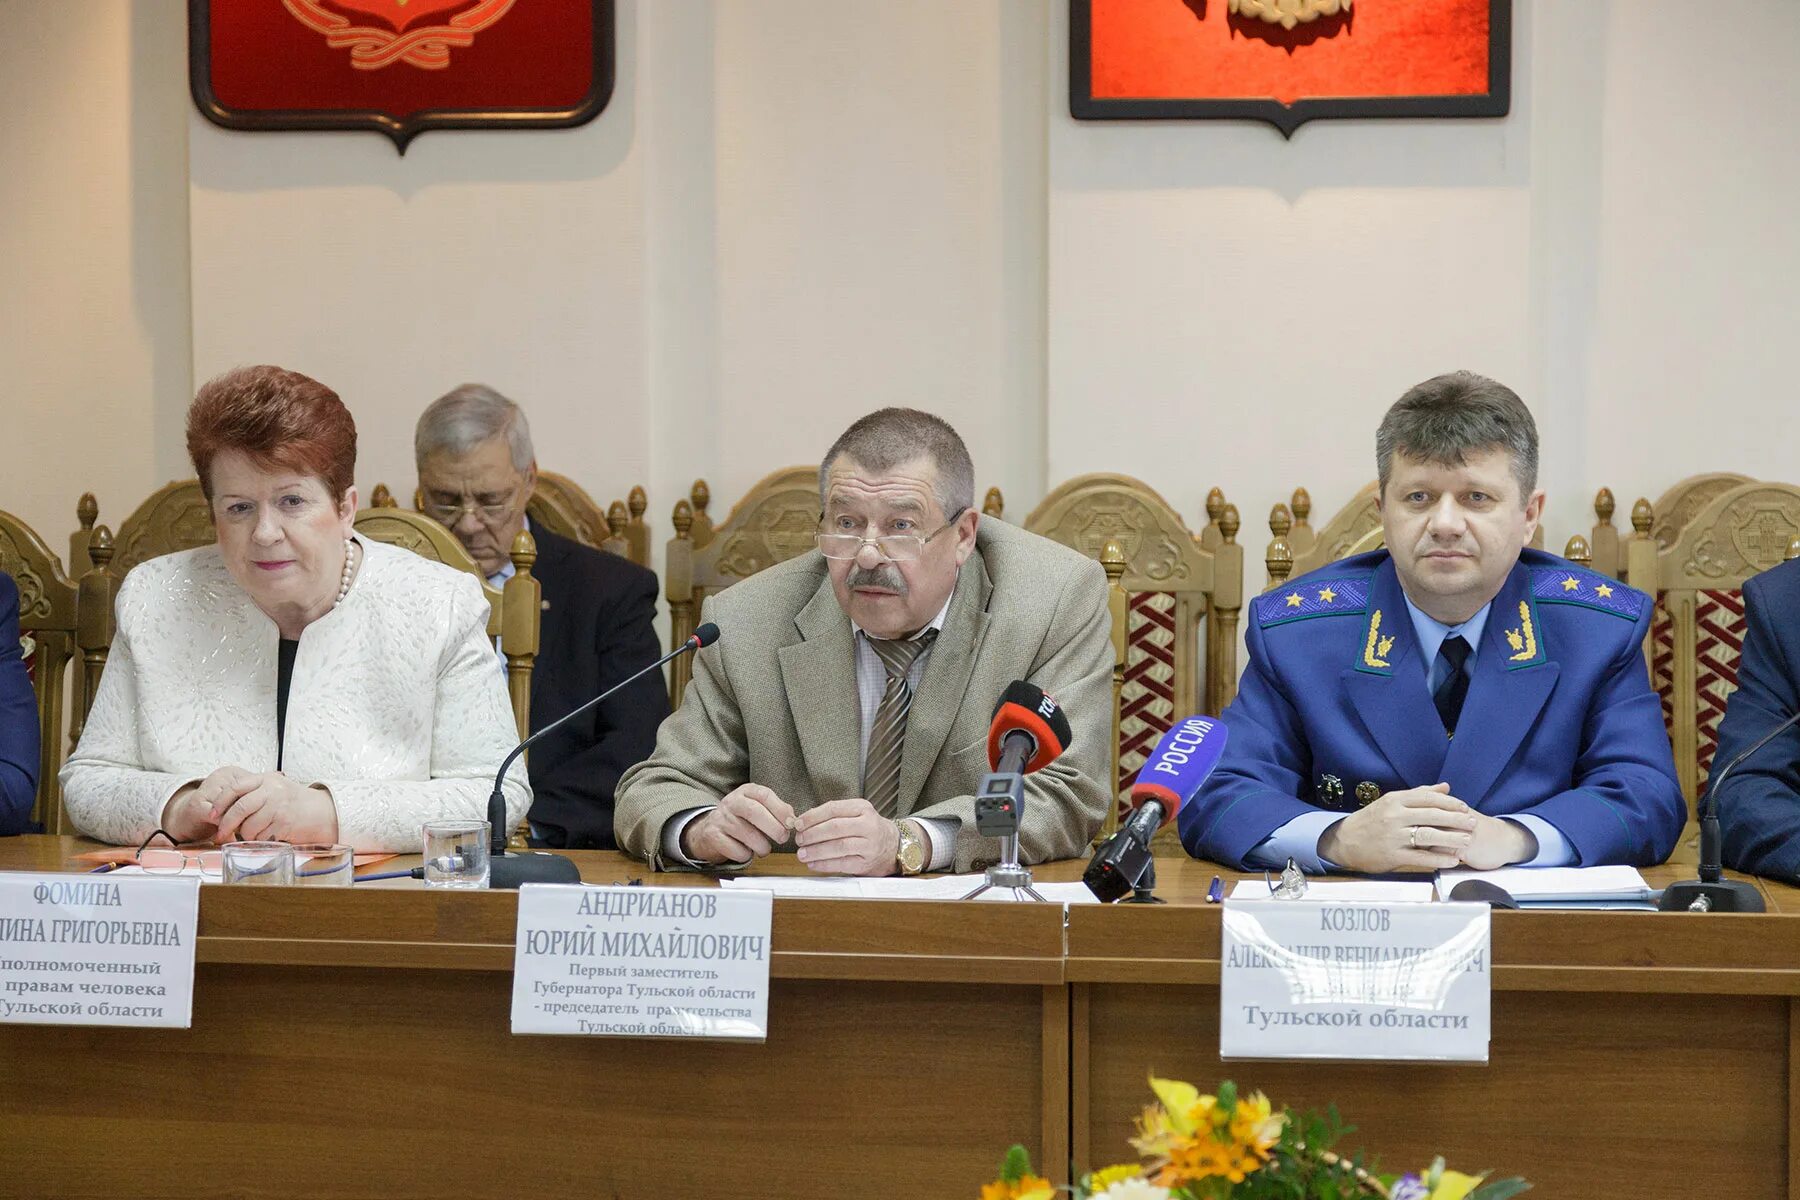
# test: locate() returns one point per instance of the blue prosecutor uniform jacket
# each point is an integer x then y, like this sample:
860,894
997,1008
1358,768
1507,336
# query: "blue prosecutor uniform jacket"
1759,813
18,719
1559,723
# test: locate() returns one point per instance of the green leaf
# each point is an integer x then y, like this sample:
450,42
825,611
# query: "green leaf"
1500,1189
1016,1165
1228,1096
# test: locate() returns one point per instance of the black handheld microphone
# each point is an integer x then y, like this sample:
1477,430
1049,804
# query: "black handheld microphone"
510,870
1168,779
1712,892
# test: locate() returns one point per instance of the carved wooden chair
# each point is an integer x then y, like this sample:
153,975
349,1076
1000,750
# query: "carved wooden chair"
175,517
1355,529
1697,633
1171,585
514,612
775,521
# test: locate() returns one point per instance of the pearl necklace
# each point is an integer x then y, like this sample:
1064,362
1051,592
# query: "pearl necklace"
349,570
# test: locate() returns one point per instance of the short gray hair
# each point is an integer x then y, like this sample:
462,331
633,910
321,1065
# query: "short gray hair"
892,437
1450,416
460,420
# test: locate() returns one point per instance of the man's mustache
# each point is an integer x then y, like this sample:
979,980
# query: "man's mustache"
886,577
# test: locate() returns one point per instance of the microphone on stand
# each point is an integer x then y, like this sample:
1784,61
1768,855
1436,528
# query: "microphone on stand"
1712,892
1028,732
510,870
1168,779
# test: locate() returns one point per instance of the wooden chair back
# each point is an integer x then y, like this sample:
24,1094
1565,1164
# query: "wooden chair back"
1697,635
1171,586
175,517
775,521
560,505
514,612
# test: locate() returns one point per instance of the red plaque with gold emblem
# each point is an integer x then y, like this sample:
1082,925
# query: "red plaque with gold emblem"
1288,61
400,67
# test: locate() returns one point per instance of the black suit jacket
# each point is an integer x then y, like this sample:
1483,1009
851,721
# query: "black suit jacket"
595,631
1759,809
18,719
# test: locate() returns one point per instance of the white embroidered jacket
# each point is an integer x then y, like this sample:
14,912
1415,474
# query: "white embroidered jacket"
397,702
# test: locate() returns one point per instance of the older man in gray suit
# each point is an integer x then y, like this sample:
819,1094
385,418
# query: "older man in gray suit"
844,714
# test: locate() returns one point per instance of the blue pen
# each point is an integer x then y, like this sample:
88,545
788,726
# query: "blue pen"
1216,891
103,868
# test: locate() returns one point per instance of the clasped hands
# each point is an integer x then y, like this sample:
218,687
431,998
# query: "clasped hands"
841,837
233,805
1424,829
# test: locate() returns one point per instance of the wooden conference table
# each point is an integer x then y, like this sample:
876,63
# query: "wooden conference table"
354,1043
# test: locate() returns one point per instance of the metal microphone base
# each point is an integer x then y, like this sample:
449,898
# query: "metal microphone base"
1732,895
1008,874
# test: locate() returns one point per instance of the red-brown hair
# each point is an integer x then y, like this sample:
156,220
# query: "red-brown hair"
278,419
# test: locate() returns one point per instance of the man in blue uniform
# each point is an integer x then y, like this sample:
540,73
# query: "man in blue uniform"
1455,699
1759,815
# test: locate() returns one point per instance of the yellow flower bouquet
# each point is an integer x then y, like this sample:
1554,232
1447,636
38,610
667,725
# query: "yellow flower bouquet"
1229,1146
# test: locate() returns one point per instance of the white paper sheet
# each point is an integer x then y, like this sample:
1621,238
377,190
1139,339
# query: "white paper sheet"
1364,891
1551,887
936,887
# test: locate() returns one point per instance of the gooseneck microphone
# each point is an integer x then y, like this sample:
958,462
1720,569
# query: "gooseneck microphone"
1712,892
510,870
1169,778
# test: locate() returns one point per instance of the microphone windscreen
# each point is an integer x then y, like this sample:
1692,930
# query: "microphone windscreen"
1180,763
706,635
1026,706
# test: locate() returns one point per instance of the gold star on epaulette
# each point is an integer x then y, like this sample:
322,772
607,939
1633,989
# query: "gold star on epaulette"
1293,599
1571,584
1326,595
1603,590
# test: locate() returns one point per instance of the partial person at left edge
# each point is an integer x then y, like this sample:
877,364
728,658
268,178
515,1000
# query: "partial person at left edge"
477,470
294,682
18,719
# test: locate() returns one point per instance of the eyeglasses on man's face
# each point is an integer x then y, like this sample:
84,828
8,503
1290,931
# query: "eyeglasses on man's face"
488,508
895,547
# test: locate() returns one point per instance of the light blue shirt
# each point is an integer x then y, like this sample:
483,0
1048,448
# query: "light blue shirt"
1299,838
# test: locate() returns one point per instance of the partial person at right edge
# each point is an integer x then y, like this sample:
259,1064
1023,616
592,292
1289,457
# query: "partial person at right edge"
18,719
477,470
1759,813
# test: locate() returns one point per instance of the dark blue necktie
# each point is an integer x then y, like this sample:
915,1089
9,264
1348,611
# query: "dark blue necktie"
1454,653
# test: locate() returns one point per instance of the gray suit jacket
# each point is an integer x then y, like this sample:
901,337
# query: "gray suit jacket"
775,703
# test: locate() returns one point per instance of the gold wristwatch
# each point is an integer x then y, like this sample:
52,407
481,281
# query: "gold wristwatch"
911,855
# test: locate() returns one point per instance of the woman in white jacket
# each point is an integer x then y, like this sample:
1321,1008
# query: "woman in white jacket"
293,682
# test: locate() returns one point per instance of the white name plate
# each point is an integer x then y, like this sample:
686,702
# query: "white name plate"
642,962
94,950
1326,979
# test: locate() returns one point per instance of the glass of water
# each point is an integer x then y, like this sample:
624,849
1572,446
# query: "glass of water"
324,865
456,854
257,864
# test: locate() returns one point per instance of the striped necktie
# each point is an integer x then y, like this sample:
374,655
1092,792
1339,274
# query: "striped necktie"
881,766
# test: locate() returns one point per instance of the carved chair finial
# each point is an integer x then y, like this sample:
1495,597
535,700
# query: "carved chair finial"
87,511
1302,504
1577,550
1281,521
1642,516
1603,505
1228,523
683,518
636,502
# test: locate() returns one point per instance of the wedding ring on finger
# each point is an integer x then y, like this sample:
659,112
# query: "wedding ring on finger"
1412,837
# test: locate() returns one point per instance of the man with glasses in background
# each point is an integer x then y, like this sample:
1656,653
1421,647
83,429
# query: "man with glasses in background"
844,714
477,471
